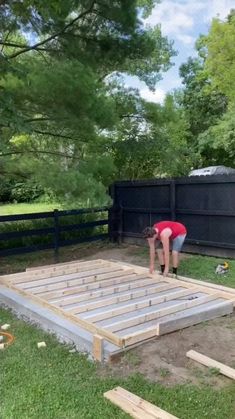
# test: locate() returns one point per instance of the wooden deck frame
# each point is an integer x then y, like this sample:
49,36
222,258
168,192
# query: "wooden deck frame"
94,278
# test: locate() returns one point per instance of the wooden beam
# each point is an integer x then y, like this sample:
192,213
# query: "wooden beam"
111,337
198,288
116,299
55,266
64,300
79,279
88,285
149,302
216,287
88,273
208,287
98,343
137,407
143,318
209,362
24,277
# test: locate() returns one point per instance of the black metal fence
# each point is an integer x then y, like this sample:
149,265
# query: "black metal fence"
206,205
78,226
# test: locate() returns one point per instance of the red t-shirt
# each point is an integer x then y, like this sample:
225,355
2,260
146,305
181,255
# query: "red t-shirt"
177,228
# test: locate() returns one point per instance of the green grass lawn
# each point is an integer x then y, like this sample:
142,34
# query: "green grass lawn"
53,383
198,267
10,209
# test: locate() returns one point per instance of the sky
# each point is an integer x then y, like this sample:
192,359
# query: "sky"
181,21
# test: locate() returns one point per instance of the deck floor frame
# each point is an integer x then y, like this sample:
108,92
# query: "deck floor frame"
108,297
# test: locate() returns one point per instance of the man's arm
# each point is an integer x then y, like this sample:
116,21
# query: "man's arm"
165,239
151,243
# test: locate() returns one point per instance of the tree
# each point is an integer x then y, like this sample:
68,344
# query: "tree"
220,61
54,63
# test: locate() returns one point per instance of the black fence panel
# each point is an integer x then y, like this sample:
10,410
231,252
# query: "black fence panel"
206,205
66,228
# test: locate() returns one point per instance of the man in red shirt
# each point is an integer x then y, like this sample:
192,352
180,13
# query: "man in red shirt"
165,233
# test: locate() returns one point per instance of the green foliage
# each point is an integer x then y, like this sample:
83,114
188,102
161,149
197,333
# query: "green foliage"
57,109
220,61
25,192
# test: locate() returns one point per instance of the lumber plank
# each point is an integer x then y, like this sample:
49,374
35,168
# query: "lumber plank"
149,302
64,300
80,279
136,406
97,349
89,286
207,284
198,288
118,325
90,327
70,277
104,302
29,277
45,273
55,266
209,362
207,287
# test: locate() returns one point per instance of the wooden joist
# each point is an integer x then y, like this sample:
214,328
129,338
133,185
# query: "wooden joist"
202,286
66,300
128,308
18,278
135,406
209,362
117,325
117,284
82,279
116,299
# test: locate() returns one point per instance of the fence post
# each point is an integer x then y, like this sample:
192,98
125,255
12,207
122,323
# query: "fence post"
56,235
172,199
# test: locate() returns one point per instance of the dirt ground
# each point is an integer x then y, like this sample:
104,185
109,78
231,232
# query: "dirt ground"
163,359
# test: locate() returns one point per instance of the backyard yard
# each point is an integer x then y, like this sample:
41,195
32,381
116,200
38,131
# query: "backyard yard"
57,382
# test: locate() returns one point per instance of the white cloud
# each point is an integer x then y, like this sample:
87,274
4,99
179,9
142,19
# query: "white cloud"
219,8
177,19
157,96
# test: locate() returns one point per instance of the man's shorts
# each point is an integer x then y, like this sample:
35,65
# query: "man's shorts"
175,244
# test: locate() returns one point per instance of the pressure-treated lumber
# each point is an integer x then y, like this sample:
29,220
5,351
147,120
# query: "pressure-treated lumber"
77,297
137,407
149,302
55,266
111,286
202,286
81,279
119,299
31,276
142,318
91,273
98,348
98,285
209,362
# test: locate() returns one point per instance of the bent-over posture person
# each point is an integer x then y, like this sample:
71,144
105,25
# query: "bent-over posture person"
163,234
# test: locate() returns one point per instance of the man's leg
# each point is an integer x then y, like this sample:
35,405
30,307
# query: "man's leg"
175,261
176,248
160,255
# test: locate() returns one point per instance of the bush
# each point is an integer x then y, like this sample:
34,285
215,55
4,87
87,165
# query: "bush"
26,192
